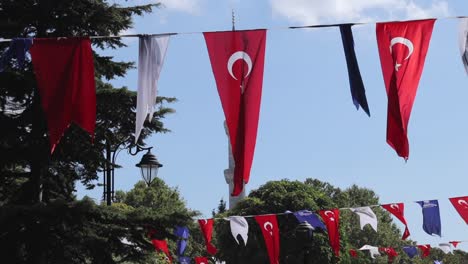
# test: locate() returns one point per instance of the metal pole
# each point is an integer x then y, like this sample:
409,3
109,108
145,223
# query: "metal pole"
109,181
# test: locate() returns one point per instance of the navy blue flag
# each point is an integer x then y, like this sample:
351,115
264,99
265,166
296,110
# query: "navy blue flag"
311,218
18,48
410,251
431,217
358,93
184,260
183,233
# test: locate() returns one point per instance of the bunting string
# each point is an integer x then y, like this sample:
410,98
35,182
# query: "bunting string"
269,29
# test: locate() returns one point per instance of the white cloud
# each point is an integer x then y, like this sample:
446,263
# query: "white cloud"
188,6
332,11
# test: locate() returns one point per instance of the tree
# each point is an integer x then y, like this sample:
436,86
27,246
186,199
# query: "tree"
39,217
162,200
279,196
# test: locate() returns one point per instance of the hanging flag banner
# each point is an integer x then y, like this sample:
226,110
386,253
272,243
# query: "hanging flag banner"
398,210
311,218
402,49
373,251
425,250
431,217
17,50
270,230
366,216
445,247
358,93
454,243
237,59
390,252
182,232
206,226
161,246
332,221
411,251
201,260
66,84
239,227
463,40
461,205
353,253
152,51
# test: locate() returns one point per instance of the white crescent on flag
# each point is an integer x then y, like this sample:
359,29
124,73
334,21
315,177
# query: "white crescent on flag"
405,42
239,55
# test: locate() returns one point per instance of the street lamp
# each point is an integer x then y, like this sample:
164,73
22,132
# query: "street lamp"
304,235
149,167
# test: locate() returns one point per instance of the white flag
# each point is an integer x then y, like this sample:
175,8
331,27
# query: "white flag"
463,39
152,50
445,247
374,251
239,226
366,216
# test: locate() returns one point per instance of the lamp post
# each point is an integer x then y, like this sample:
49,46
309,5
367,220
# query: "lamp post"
149,166
304,235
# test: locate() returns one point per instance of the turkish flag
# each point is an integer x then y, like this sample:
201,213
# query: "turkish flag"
353,253
201,260
402,49
206,226
454,243
270,231
64,72
398,210
461,205
161,245
331,218
425,249
237,59
390,252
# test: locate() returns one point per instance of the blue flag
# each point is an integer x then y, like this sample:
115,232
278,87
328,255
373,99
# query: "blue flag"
431,217
183,233
410,251
18,48
311,218
358,93
184,260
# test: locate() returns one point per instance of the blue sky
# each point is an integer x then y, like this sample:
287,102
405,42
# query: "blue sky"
308,124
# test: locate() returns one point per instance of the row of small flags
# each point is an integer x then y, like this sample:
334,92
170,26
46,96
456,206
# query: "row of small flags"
328,221
237,59
410,251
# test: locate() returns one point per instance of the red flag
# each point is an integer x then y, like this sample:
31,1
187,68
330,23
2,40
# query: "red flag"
331,218
454,243
201,260
206,226
270,232
425,249
237,59
65,78
390,252
161,245
398,210
461,205
402,49
353,253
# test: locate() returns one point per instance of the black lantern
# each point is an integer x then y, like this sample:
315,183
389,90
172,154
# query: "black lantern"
149,166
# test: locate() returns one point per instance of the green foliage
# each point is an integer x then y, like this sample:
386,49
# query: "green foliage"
59,229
